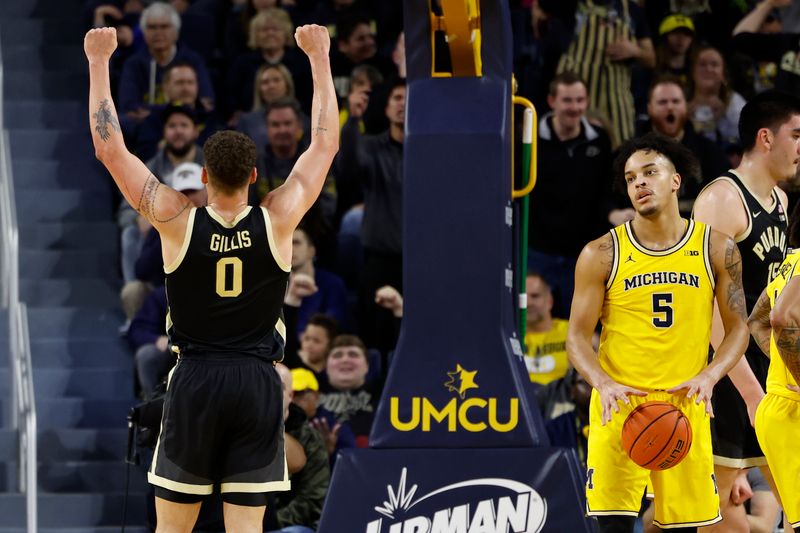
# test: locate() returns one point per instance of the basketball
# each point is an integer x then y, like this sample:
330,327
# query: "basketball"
657,435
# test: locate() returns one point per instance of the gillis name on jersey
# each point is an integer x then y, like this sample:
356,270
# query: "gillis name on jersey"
662,278
223,243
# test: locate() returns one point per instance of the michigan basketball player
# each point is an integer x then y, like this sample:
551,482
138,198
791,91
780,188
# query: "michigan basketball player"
774,325
651,282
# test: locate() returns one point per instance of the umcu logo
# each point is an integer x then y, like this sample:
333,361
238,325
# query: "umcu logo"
471,414
504,506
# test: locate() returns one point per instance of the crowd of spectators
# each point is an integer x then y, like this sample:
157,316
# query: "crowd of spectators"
598,71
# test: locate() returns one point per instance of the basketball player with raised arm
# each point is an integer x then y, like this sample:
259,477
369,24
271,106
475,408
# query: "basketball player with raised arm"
651,282
747,205
775,326
227,267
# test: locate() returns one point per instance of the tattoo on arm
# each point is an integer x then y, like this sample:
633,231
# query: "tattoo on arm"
760,328
103,119
319,129
733,264
607,254
788,342
147,202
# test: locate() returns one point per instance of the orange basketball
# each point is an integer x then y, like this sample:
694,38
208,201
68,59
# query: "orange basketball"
657,435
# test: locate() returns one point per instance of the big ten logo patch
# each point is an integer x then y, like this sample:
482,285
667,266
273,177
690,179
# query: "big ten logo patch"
473,414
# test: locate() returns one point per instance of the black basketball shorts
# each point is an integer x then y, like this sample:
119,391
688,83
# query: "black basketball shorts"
734,439
222,426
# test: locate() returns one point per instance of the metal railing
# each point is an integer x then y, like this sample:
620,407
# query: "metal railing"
23,405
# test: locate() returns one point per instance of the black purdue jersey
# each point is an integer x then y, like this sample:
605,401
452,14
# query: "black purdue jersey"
226,287
763,243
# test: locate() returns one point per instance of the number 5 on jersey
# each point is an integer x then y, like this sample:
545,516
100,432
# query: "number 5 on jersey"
662,310
229,277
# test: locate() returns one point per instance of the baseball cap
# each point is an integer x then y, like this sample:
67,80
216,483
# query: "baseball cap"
186,177
303,379
675,22
171,109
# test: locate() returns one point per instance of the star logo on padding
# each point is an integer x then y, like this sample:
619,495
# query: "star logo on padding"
464,378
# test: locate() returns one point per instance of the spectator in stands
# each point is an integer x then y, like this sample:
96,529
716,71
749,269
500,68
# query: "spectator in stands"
590,23
315,344
237,25
299,510
180,88
377,163
714,106
574,168
285,143
271,83
676,47
356,45
783,48
337,436
347,394
362,80
179,144
323,291
545,336
306,391
271,42
668,112
140,84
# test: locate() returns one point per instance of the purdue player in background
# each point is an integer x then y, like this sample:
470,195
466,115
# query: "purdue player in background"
227,267
652,283
747,204
775,325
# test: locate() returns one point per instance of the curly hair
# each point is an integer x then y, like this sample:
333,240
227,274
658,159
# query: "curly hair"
230,159
685,163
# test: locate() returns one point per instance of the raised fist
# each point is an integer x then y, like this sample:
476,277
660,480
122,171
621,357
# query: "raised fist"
100,43
313,40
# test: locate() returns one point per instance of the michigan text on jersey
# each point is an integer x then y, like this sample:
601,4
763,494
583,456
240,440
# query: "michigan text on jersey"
662,278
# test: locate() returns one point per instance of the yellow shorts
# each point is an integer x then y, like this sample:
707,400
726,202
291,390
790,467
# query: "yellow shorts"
778,432
685,495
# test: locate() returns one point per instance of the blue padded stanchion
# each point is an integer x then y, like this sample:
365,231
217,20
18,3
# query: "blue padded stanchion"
458,443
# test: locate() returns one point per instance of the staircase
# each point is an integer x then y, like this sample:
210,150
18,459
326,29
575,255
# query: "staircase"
83,371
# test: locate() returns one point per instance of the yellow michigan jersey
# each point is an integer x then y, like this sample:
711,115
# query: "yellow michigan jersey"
656,326
778,414
657,311
778,376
